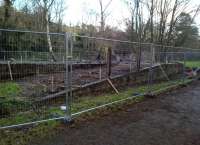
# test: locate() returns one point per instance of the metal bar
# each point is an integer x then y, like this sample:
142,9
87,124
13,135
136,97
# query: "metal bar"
31,123
150,75
184,65
34,32
71,71
130,42
109,62
105,105
69,61
177,47
171,86
129,98
74,115
138,57
97,38
106,39
67,79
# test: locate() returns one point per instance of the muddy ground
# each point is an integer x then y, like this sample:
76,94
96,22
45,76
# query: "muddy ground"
41,85
171,119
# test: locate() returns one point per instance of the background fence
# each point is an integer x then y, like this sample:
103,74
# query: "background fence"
43,80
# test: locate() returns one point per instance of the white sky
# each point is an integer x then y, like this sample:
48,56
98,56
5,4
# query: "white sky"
77,10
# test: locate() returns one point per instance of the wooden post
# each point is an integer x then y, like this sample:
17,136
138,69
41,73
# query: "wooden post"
109,62
10,71
112,85
52,83
109,65
100,72
139,51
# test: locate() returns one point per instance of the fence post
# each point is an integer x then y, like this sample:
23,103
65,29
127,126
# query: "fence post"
139,51
150,75
26,56
21,59
68,70
184,64
109,61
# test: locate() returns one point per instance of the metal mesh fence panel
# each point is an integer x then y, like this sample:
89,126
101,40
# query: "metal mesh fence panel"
109,72
43,80
32,71
168,67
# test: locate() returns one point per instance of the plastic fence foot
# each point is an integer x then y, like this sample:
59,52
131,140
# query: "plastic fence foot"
68,121
149,95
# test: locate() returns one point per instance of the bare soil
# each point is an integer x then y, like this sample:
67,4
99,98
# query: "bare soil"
171,119
41,85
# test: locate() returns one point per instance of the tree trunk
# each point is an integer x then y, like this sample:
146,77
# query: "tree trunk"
48,36
172,22
102,19
151,14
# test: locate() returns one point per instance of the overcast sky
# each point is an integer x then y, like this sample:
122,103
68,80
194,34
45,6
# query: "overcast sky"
77,10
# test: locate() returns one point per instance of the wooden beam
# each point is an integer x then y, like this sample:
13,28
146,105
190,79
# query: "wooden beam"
112,85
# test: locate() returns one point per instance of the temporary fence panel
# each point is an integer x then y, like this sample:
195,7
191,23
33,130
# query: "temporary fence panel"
50,76
34,70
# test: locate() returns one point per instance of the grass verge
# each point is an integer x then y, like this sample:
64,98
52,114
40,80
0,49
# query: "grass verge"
24,136
192,64
81,104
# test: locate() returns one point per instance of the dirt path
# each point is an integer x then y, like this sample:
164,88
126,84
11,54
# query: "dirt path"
171,119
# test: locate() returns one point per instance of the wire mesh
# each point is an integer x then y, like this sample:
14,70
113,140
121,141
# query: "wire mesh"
32,70
72,74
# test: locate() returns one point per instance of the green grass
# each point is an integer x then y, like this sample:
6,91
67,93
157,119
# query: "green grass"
9,90
89,102
82,104
193,64
25,137
10,99
47,129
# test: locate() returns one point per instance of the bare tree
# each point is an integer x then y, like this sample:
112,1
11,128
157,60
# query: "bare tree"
172,22
103,15
7,10
47,6
138,28
159,26
59,8
151,20
178,7
196,13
